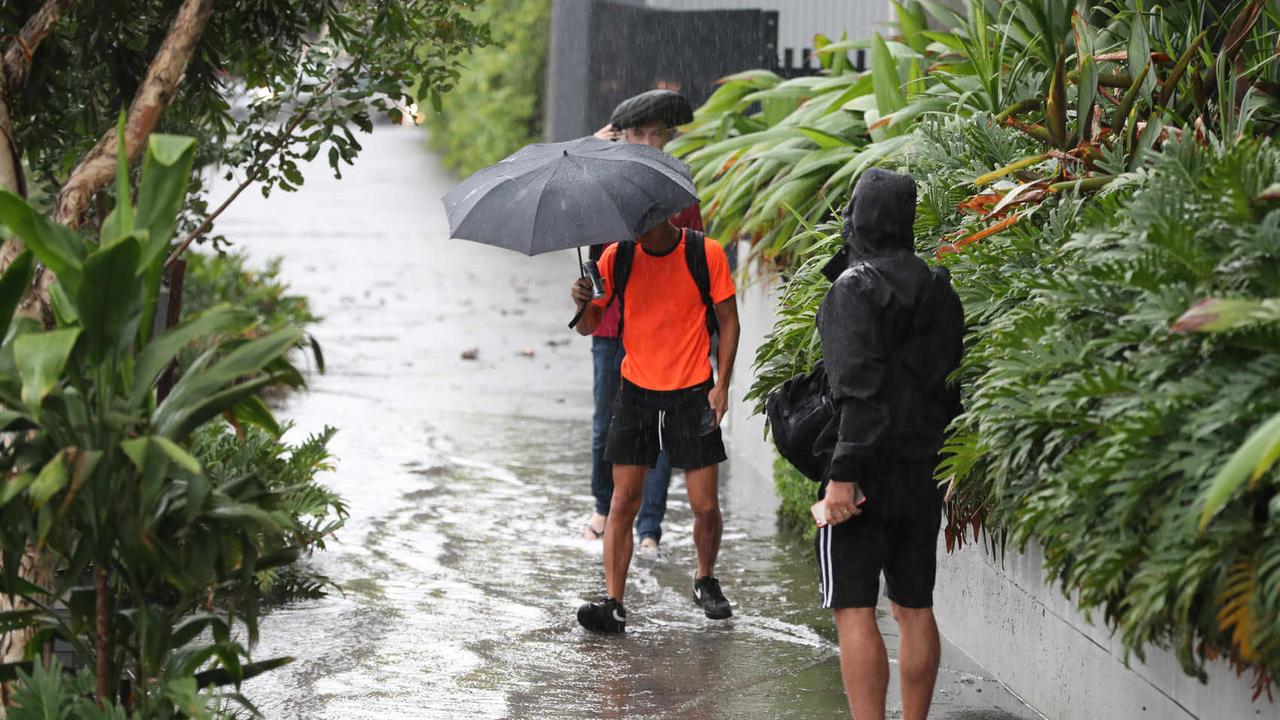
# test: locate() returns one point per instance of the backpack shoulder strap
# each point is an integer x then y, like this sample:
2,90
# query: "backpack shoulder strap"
622,261
695,255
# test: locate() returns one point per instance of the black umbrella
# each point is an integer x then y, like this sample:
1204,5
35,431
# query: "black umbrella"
557,196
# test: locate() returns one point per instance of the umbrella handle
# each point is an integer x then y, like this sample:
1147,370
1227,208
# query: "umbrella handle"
582,273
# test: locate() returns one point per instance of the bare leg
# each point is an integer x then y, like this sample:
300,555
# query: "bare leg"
628,487
864,663
918,657
704,500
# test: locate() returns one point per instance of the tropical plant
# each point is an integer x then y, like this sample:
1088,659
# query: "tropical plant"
96,468
290,470
213,277
772,157
495,107
1090,429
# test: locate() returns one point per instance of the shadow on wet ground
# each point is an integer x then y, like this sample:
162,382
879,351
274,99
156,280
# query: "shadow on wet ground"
468,484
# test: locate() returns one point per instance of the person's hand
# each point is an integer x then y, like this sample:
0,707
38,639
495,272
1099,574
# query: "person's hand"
840,504
718,399
607,133
581,291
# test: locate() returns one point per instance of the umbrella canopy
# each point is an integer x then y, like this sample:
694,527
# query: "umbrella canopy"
661,106
556,196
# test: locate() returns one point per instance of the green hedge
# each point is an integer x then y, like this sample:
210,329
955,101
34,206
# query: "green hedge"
1091,428
495,108
797,494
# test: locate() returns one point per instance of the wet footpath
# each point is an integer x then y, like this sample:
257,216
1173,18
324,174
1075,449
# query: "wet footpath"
468,484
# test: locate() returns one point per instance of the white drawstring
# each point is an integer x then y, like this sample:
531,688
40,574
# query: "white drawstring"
662,423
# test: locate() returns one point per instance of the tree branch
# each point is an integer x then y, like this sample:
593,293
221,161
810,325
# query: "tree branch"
17,59
252,176
158,87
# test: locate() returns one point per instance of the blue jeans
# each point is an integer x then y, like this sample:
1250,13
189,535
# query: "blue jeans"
607,354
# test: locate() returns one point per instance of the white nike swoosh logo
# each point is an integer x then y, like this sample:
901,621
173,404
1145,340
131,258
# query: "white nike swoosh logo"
697,593
619,619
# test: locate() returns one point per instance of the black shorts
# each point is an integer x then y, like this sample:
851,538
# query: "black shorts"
646,422
896,532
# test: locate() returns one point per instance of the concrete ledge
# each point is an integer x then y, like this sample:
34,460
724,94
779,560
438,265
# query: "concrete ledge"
1033,639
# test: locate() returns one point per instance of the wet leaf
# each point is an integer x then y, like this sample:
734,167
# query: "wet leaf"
1254,457
40,358
1055,114
1175,76
958,245
1219,315
885,79
1121,115
1012,167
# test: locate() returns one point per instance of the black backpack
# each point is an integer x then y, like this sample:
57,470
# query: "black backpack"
802,420
695,255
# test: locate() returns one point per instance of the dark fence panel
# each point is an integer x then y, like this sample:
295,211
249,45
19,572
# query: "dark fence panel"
628,49
634,49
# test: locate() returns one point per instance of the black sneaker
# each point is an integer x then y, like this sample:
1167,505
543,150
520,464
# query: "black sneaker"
706,592
605,616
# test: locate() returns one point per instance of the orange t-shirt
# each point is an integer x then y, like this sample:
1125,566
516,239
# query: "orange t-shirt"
664,328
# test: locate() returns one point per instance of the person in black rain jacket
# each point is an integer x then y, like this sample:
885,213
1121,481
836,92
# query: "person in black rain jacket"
892,332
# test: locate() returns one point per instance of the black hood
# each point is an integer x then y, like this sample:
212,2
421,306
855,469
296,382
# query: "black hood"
878,221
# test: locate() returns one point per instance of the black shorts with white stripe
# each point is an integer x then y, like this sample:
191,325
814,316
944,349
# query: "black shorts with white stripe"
681,422
896,533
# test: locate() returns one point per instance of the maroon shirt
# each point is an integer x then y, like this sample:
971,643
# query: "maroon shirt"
690,217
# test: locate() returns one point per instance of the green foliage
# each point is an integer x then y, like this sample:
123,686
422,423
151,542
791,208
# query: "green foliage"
50,694
99,471
495,108
290,470
797,494
213,277
314,68
1115,186
1090,427
773,157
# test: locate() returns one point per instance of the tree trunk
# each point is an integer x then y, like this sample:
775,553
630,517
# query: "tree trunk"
98,167
13,73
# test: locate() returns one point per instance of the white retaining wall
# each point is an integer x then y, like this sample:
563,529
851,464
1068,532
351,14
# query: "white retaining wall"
1001,613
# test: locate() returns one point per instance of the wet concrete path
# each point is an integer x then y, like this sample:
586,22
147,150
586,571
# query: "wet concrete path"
468,485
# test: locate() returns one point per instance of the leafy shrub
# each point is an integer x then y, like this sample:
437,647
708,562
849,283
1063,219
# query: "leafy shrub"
771,157
214,278
100,481
316,511
1090,427
797,494
496,106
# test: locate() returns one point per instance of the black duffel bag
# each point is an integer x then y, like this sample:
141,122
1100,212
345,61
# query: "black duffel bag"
802,420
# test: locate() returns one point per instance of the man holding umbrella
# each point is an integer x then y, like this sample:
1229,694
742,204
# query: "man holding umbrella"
668,399
649,119
673,288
